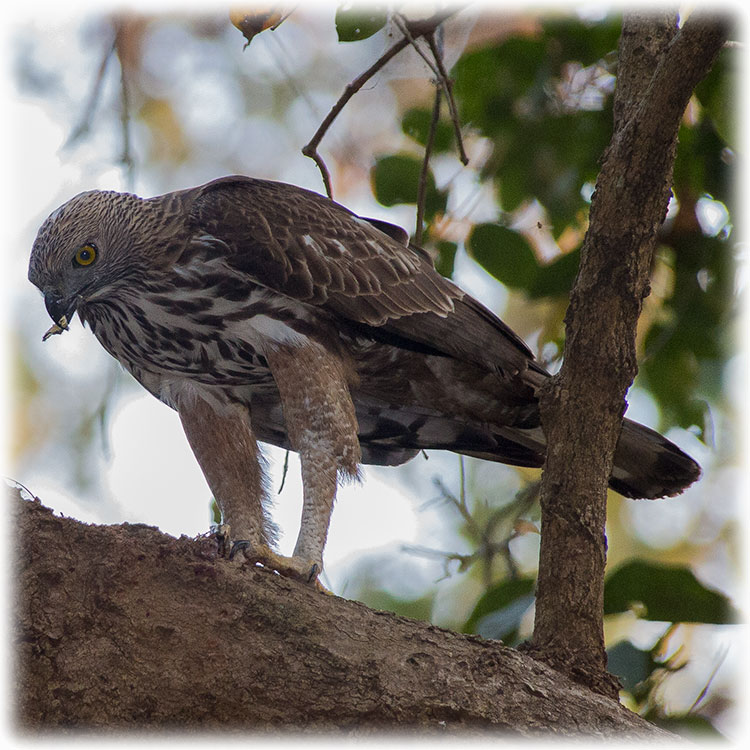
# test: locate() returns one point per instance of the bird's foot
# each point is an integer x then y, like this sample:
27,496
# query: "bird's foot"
295,567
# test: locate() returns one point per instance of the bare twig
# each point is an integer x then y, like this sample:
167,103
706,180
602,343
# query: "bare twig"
403,27
311,148
447,84
459,503
422,188
416,30
84,125
19,486
481,532
90,107
444,84
126,158
441,77
464,561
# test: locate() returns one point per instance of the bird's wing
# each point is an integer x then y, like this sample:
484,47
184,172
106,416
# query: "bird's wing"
307,247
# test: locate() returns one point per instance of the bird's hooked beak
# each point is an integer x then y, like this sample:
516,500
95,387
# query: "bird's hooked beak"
61,311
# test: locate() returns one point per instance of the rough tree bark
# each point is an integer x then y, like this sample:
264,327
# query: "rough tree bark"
582,406
123,626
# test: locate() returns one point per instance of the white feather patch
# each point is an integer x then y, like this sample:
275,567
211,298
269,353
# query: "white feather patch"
261,329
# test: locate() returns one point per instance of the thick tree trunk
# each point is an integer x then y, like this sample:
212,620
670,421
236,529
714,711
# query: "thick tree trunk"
123,627
582,406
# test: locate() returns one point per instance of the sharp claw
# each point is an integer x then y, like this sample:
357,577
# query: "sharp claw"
292,567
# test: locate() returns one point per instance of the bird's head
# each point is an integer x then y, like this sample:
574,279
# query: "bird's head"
84,248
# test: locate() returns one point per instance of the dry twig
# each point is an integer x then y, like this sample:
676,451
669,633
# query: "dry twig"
447,84
416,29
422,188
93,98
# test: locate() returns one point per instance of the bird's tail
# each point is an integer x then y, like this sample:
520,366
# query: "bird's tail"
646,464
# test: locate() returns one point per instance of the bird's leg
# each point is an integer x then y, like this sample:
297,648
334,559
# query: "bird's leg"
223,442
322,427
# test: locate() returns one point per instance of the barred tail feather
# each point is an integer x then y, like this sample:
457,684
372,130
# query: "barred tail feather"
646,464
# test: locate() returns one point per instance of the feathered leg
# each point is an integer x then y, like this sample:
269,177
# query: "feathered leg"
223,442
322,427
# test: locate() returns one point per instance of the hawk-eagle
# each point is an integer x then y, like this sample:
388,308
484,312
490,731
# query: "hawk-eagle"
262,311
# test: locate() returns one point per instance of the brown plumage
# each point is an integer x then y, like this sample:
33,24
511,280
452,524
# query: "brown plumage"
259,310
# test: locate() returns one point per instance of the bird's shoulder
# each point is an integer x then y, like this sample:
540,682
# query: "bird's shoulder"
306,246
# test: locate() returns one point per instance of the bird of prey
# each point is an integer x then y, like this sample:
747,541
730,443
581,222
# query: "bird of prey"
263,311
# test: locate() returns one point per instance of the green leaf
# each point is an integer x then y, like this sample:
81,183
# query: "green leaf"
396,178
505,254
667,593
489,81
582,41
630,664
215,513
556,279
499,610
416,124
355,22
446,258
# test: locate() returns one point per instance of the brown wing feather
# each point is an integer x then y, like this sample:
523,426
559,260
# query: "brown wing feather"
310,248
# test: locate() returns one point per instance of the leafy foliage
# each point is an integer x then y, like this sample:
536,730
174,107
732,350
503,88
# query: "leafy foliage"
505,254
396,180
416,124
542,105
666,593
498,612
545,145
642,672
355,22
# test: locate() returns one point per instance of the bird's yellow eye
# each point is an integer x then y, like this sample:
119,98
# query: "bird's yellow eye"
85,255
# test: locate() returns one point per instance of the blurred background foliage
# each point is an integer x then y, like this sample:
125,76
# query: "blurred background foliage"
156,103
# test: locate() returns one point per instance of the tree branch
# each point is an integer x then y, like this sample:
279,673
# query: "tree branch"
126,158
416,29
124,627
582,405
447,84
424,172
